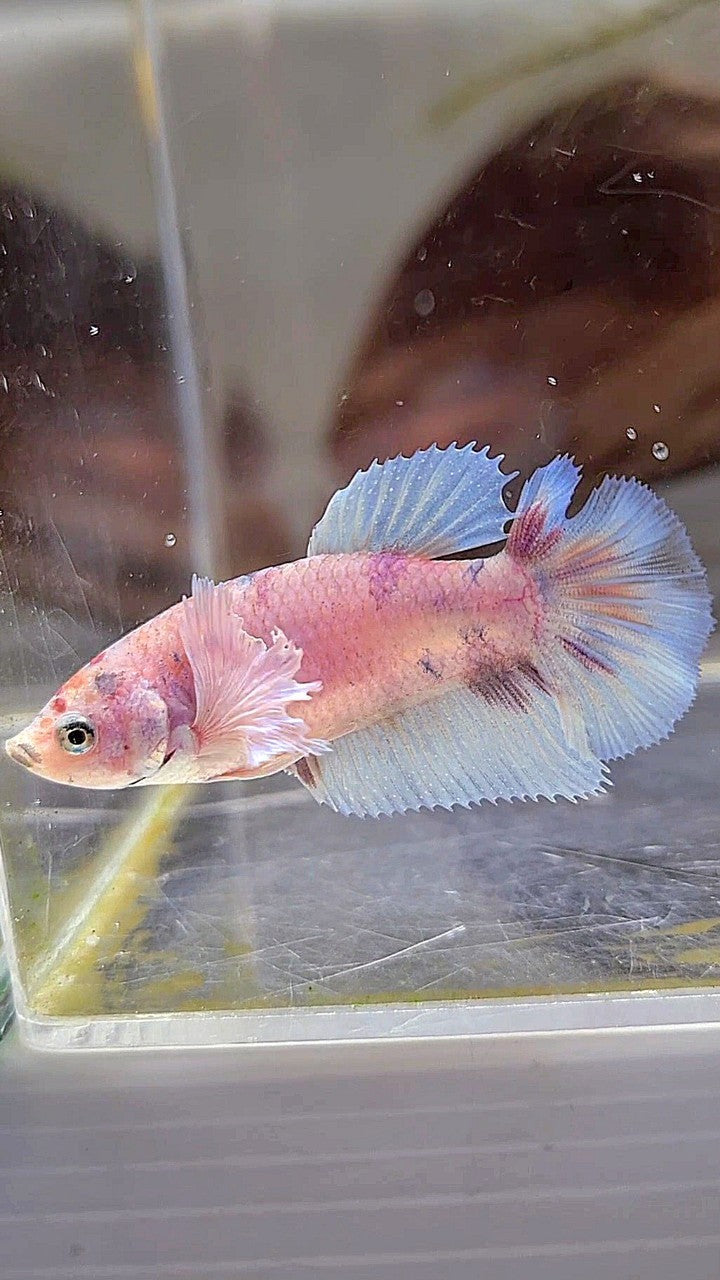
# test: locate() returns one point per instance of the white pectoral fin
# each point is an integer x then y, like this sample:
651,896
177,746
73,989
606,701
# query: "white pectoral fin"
243,687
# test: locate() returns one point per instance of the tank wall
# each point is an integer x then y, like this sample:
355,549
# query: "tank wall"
244,250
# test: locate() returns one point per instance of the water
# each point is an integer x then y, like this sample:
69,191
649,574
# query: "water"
184,297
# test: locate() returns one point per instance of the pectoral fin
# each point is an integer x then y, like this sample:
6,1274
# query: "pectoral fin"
243,687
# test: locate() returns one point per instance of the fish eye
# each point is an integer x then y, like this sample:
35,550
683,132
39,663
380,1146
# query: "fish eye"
76,735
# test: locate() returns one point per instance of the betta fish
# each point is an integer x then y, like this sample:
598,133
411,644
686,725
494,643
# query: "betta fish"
385,675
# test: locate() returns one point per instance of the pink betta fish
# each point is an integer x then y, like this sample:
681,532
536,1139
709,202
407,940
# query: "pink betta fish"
387,677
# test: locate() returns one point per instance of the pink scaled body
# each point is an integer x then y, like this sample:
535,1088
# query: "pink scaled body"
383,631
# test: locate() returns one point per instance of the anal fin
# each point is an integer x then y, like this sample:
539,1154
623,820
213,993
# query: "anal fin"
457,750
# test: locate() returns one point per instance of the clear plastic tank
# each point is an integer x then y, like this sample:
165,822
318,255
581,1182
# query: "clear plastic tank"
244,250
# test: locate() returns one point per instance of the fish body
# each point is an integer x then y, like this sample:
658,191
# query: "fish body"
387,677
382,631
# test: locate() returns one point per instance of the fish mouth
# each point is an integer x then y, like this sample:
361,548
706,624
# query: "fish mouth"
22,753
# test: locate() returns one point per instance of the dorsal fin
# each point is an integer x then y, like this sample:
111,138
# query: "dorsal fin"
436,503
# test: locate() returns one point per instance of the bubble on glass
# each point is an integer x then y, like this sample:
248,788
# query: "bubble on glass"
170,539
94,331
660,451
424,302
656,408
631,433
422,253
552,382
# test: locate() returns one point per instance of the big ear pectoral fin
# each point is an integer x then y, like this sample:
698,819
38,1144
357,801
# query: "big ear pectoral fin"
243,687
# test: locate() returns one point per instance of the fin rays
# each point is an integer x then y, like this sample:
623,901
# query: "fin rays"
436,503
457,750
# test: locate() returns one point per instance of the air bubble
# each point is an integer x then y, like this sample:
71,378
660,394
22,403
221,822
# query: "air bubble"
552,382
660,451
424,302
631,433
170,539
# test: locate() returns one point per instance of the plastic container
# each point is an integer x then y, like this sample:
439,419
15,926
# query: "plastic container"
246,249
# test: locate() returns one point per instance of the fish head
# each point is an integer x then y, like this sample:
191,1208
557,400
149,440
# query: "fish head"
104,728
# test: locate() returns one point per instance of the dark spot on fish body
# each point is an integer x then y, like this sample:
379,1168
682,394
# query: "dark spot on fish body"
472,635
474,569
106,682
502,689
386,570
513,689
430,665
533,676
263,588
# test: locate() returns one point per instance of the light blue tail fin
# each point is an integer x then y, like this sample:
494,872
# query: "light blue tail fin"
628,608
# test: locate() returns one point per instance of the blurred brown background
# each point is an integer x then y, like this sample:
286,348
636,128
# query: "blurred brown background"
566,298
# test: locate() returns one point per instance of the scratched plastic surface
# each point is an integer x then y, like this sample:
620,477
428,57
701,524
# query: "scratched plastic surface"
272,260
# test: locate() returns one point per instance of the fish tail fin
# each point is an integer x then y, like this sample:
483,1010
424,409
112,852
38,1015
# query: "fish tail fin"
628,610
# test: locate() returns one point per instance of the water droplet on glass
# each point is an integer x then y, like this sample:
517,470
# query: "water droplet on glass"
631,433
660,451
424,302
170,539
422,254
